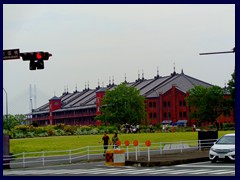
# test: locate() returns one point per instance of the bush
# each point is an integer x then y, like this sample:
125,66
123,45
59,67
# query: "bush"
78,131
40,130
30,134
43,134
51,132
23,128
18,134
59,126
228,126
59,132
85,128
68,129
94,131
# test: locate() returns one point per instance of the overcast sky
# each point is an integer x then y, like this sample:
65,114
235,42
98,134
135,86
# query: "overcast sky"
92,43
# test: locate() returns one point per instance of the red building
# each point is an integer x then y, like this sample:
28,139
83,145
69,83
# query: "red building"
164,102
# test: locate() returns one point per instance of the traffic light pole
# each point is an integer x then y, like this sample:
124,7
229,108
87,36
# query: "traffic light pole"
222,52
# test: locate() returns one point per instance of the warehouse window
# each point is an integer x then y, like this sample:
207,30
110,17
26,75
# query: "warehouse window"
150,115
154,104
184,114
150,104
180,114
180,103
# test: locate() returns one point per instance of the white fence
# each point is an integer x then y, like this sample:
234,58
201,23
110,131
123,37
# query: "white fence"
91,153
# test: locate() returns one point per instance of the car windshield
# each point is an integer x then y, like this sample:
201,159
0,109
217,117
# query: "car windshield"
226,140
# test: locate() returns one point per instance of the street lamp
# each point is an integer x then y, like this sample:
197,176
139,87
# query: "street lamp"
6,107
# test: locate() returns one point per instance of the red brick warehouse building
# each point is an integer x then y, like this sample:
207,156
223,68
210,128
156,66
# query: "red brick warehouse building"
164,102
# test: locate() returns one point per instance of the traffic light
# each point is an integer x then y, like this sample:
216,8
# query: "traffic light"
36,59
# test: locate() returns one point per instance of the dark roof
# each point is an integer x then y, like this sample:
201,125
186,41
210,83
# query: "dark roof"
102,89
180,81
54,98
150,88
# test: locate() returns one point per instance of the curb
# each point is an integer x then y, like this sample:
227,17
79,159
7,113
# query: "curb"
165,163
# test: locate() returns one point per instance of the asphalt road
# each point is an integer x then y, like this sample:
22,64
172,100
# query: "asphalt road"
100,169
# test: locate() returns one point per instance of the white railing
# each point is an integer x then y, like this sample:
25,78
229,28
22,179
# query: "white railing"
43,158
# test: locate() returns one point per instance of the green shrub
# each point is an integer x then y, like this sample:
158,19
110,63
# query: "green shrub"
86,128
144,128
94,131
59,126
18,134
68,129
23,128
59,132
228,126
85,132
30,134
51,132
78,131
43,134
40,130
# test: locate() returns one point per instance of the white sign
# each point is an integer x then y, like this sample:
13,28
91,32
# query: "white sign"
119,158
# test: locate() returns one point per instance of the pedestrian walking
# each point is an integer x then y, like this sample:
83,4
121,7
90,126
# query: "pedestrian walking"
106,141
138,128
194,127
151,127
114,141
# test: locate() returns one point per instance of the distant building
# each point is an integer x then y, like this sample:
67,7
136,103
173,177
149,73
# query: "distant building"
164,102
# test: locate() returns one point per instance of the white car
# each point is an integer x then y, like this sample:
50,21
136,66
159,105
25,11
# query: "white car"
223,149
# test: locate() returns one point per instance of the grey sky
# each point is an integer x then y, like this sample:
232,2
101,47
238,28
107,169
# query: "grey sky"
91,42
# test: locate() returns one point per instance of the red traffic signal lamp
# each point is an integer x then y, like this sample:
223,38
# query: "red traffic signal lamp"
36,59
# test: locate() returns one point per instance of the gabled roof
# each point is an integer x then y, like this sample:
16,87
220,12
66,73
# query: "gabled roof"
150,88
181,81
54,98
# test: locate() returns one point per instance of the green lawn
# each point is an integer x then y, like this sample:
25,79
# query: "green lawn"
74,142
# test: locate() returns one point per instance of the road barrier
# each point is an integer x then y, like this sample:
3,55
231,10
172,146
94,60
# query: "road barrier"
109,157
91,153
119,157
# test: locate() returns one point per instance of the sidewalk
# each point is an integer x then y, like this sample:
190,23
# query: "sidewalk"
169,159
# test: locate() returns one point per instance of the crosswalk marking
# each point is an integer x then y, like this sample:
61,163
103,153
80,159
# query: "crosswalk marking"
119,171
184,171
230,172
212,171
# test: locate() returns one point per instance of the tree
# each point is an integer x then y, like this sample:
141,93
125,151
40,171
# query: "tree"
231,88
122,105
207,104
12,120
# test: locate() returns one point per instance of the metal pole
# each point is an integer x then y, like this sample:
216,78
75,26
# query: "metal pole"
136,153
148,154
88,157
70,156
43,159
6,107
216,52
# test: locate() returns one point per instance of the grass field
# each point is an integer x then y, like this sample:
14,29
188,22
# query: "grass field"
74,142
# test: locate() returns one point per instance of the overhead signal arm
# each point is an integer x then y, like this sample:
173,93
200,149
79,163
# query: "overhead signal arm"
221,52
